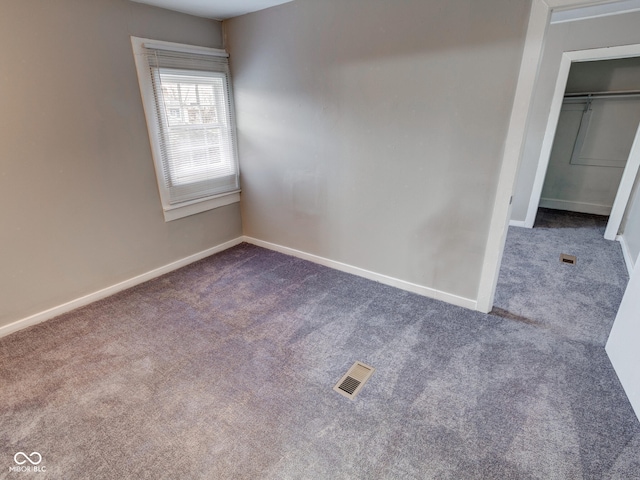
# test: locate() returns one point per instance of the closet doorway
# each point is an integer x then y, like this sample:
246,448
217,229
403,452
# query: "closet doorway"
590,104
597,125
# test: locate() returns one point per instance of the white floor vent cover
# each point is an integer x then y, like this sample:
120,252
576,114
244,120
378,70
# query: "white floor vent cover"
353,381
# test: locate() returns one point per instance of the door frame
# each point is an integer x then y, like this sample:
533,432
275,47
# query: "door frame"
537,28
630,171
623,196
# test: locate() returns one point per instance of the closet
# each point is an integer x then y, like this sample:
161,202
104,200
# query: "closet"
597,126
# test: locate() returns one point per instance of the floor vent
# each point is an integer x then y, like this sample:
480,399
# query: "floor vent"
570,259
353,381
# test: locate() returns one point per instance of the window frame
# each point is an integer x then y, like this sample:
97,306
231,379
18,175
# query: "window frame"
174,211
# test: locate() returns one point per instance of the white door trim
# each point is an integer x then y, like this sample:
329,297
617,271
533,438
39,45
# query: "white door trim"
539,20
514,143
547,141
622,344
608,53
624,190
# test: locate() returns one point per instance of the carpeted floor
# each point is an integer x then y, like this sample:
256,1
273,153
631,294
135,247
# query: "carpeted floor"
574,301
224,370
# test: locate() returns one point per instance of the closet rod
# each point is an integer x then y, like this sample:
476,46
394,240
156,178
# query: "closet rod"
618,94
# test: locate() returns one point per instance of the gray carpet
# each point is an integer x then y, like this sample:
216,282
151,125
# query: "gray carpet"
224,370
577,302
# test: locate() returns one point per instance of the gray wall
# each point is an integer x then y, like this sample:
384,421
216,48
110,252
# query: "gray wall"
590,186
371,132
590,183
621,74
577,35
630,227
81,205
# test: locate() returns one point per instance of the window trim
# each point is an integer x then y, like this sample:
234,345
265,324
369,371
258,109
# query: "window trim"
183,209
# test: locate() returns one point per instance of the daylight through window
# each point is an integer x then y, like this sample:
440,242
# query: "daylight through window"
189,109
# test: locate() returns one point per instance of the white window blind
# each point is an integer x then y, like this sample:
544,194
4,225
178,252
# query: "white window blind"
191,121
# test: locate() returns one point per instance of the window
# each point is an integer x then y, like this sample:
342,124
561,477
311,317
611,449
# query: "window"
186,93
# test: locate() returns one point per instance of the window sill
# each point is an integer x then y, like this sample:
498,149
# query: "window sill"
174,212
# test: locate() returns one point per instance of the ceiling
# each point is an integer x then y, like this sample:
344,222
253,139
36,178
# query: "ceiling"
223,9
216,9
593,11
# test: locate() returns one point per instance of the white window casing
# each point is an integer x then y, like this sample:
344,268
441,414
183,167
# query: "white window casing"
188,103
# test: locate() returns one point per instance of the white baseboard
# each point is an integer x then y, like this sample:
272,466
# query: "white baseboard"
580,207
132,282
360,272
105,292
518,223
628,260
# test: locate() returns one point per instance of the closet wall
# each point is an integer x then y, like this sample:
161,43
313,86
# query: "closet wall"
593,137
